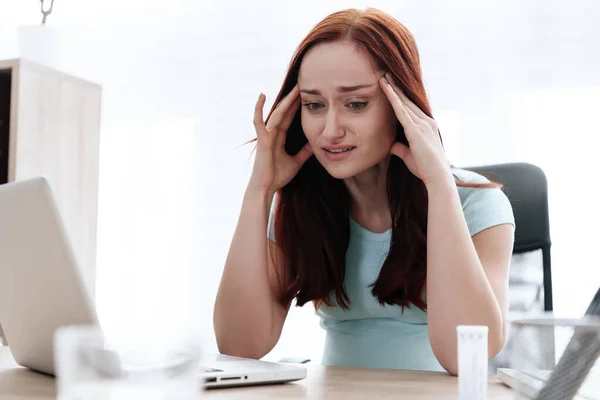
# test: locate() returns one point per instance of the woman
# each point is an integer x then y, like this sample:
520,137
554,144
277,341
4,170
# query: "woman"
369,221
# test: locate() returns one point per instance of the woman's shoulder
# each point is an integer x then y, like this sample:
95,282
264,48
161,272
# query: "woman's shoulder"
483,207
467,176
470,177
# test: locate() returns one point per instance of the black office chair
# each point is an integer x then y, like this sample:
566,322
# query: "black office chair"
530,287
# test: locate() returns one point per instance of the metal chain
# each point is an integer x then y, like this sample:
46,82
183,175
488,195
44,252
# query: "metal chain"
46,12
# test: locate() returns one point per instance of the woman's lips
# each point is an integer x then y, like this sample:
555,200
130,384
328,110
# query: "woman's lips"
338,153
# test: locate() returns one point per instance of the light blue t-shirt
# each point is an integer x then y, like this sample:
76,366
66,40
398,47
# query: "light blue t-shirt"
375,336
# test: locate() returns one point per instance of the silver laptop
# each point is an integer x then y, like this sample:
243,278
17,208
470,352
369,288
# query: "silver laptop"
575,376
531,382
41,289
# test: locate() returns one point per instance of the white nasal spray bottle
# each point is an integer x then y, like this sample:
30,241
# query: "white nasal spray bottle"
472,362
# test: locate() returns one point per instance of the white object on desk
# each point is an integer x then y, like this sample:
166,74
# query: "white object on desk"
472,362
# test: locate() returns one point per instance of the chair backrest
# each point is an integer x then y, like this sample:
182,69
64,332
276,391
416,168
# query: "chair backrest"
530,276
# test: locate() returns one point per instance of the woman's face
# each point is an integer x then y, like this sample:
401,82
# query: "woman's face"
346,117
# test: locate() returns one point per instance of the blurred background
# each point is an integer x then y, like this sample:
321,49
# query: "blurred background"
508,81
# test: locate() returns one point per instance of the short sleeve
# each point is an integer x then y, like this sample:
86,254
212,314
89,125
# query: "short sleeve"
483,207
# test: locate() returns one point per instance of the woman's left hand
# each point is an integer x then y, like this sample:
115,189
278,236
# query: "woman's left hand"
425,157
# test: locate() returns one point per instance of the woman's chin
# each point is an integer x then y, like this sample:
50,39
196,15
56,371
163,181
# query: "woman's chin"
341,171
347,169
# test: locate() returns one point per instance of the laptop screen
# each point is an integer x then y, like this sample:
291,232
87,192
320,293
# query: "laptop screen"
576,362
594,307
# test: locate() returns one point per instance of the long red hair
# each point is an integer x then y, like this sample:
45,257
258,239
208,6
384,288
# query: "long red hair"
312,213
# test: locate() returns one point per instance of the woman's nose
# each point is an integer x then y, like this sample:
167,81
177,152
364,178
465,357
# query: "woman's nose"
333,127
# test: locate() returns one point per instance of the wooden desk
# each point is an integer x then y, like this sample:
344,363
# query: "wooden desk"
322,383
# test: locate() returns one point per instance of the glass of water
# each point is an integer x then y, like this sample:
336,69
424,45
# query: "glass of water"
93,365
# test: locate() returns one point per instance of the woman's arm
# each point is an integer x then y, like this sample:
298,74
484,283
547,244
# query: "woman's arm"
467,278
248,317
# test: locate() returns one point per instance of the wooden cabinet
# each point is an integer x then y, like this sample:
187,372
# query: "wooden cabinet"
50,125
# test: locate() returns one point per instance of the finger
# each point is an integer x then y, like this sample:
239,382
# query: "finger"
304,154
399,108
398,93
414,111
400,150
282,108
289,115
281,131
259,122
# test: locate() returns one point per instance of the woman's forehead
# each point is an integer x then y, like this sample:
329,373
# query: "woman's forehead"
336,63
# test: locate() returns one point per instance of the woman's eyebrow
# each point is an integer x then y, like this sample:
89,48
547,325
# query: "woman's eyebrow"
341,89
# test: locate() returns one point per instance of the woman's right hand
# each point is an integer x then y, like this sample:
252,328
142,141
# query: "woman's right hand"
273,166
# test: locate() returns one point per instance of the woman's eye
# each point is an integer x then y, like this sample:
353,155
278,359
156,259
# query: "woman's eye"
313,106
358,105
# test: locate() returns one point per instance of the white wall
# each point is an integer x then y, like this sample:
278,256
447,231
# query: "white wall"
508,81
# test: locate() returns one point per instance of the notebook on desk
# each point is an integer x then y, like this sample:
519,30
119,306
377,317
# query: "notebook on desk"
41,290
